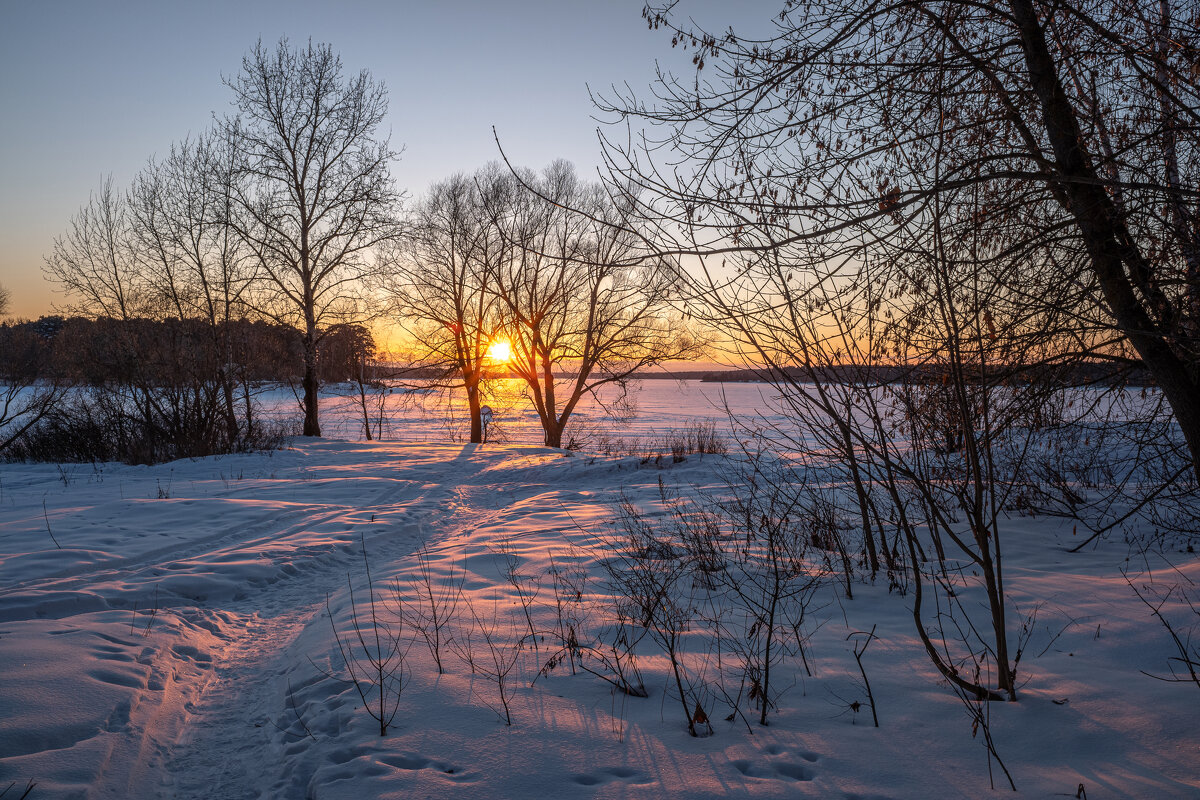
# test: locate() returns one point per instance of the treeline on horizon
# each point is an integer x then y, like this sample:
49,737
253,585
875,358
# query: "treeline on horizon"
1073,374
93,352
163,352
156,390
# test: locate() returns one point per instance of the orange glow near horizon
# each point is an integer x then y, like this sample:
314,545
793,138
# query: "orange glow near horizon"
500,351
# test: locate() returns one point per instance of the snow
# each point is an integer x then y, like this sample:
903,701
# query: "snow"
179,642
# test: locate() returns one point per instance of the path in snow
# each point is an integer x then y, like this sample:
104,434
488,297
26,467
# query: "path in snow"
210,759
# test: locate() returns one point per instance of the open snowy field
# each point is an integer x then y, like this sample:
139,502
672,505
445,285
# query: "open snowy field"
183,631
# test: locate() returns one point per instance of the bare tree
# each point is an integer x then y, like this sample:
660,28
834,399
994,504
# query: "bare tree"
95,263
574,299
313,196
882,221
1074,126
163,280
194,264
440,279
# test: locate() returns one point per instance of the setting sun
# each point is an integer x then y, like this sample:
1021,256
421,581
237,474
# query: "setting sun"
500,351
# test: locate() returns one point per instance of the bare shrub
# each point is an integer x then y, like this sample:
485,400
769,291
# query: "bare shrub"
749,553
491,648
376,665
769,577
433,613
1116,464
699,436
609,655
651,579
1185,667
525,585
860,649
112,424
28,392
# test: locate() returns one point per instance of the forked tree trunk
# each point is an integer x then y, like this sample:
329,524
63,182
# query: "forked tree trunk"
554,432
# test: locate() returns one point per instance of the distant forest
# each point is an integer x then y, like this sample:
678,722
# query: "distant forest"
158,389
104,351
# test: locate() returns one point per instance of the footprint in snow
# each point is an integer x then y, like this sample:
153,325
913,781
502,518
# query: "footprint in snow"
778,750
190,653
412,763
106,652
131,679
610,774
779,770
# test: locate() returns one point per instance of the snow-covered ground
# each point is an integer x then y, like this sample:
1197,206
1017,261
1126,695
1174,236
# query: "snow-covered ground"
165,631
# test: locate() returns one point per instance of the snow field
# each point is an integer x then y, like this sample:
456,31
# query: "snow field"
179,645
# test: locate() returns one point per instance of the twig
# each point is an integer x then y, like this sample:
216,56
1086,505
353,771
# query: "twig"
858,654
46,516
28,789
296,714
1184,656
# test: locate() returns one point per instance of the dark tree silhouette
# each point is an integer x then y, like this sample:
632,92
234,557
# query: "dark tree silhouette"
313,196
899,207
1061,136
440,278
194,264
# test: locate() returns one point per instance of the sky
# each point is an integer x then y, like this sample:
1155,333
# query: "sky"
91,89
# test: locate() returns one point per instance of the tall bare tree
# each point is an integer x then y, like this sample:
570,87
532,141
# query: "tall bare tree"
313,195
441,278
163,279
579,306
95,261
906,211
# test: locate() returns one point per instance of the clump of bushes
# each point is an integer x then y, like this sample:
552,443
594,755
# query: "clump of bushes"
150,429
699,436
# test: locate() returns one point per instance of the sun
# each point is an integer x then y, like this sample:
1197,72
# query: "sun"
500,351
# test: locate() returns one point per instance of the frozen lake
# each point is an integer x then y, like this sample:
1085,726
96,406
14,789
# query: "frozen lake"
660,405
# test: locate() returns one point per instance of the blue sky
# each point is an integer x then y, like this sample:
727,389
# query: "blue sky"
90,89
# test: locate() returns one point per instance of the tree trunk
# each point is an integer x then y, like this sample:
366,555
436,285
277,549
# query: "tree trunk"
231,420
554,433
551,424
474,406
312,425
